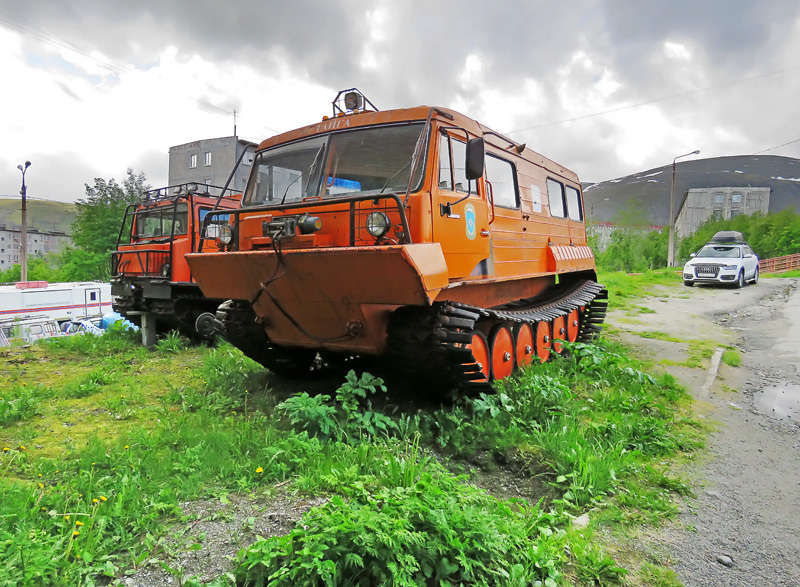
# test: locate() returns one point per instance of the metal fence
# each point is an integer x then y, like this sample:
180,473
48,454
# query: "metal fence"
778,264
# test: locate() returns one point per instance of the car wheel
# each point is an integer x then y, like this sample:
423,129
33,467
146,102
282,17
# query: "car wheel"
688,283
755,277
740,279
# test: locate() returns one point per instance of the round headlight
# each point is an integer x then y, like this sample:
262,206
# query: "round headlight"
225,234
378,224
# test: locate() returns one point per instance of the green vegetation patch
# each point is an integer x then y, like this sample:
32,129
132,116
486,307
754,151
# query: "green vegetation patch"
108,439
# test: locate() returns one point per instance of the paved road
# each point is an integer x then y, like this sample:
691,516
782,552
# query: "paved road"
747,504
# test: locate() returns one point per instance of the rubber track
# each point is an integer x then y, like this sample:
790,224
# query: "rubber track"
444,351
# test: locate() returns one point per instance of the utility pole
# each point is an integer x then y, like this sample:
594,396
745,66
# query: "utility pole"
23,235
671,243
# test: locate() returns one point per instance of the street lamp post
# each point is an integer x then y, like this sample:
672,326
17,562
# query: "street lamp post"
671,244
23,234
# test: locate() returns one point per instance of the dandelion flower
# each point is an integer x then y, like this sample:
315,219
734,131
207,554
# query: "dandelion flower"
44,509
40,474
66,518
41,486
127,447
95,500
79,523
22,447
6,449
259,470
76,533
103,498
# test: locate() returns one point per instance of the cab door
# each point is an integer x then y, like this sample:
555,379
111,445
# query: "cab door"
460,213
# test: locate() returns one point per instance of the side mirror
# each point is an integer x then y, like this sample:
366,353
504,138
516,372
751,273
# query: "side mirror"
692,255
475,158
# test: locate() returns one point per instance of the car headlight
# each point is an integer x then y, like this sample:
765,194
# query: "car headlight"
731,267
165,270
378,224
225,234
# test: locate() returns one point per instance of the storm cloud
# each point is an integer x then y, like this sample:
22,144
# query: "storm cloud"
605,87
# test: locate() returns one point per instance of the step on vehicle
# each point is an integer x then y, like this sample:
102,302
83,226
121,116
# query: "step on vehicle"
416,236
724,260
150,278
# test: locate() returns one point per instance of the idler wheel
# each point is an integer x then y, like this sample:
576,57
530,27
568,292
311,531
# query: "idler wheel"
502,349
543,341
573,321
480,352
523,345
559,333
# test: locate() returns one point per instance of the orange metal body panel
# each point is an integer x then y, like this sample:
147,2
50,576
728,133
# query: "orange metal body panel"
326,290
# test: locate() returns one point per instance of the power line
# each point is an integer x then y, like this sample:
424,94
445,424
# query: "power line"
778,147
628,107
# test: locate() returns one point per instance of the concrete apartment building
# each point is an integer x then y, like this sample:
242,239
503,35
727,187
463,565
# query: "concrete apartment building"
210,162
722,202
40,242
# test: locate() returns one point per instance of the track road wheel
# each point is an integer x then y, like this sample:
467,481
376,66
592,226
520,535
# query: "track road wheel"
543,341
480,352
502,349
523,345
572,325
559,333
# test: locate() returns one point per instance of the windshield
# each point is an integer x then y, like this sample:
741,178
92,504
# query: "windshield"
156,222
370,160
723,252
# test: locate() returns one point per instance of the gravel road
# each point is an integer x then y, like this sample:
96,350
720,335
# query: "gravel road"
742,528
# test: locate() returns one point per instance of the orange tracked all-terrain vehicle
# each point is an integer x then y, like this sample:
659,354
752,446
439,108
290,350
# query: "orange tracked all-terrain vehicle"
418,236
151,282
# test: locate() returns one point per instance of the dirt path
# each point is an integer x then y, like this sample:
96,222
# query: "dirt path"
743,526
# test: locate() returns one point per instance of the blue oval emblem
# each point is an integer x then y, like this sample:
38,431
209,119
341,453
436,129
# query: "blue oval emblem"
469,217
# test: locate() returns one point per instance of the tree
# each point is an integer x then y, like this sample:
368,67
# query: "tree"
97,225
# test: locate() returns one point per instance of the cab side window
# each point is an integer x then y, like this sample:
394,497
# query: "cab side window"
555,195
501,176
452,175
574,211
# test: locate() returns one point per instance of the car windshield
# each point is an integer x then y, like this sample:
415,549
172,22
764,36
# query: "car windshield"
720,251
369,160
156,222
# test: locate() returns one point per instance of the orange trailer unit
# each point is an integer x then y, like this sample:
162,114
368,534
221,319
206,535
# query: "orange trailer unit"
418,235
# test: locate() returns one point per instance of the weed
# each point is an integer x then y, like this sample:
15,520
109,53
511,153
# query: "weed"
657,576
171,343
732,357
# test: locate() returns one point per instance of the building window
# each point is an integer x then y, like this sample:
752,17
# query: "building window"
207,159
736,198
192,161
735,213
207,181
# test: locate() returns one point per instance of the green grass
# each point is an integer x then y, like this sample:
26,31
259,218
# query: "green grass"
732,357
623,288
792,273
102,440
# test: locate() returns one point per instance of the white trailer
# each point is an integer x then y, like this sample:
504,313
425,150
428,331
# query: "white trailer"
57,301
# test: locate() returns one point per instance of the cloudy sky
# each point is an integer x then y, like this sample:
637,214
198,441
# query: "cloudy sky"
605,87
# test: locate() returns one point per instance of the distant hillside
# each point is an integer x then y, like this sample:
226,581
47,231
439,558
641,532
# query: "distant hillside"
651,188
42,214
